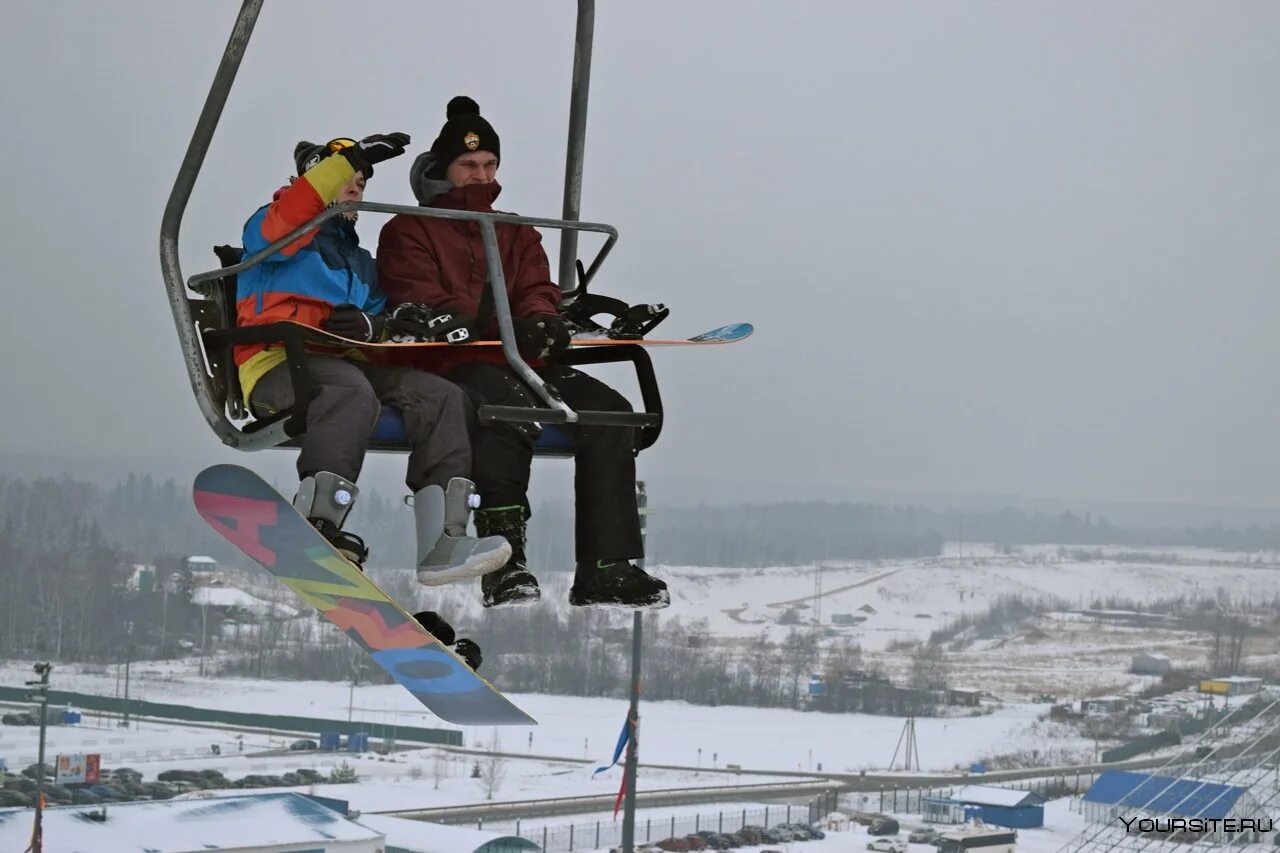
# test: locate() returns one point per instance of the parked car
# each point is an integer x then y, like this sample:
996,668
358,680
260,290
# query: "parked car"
799,830
883,826
14,798
303,745
696,842
924,835
160,790
678,845
715,840
888,845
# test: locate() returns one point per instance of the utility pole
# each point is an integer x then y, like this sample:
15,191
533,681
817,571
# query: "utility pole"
42,691
633,713
128,657
204,622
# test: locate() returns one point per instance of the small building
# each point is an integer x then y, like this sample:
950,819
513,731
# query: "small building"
1124,792
988,804
197,563
964,696
1169,720
1153,664
1231,685
1103,705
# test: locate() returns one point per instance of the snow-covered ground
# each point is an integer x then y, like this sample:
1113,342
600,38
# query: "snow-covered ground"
1063,651
673,733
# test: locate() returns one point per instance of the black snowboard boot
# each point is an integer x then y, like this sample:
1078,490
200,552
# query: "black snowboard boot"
443,631
325,499
512,584
617,584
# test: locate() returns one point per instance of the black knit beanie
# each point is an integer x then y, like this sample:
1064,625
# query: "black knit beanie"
463,132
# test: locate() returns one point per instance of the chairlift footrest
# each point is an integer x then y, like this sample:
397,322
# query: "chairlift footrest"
520,414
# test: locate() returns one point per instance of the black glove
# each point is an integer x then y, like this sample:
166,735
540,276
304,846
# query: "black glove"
440,629
374,149
348,321
469,652
415,322
541,337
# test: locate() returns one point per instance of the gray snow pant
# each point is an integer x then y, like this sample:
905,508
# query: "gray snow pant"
348,399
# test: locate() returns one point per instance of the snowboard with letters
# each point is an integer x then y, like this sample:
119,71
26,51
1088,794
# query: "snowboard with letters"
254,517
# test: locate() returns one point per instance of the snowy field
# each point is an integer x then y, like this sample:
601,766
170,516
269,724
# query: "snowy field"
1063,651
672,733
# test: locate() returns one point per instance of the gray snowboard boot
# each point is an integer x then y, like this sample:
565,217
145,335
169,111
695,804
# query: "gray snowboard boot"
445,552
325,499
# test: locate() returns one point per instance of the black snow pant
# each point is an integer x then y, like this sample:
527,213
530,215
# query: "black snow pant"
348,399
607,522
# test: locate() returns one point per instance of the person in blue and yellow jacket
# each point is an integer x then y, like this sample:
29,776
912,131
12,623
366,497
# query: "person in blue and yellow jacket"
326,280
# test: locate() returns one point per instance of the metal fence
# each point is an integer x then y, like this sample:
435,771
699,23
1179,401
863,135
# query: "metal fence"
602,834
186,713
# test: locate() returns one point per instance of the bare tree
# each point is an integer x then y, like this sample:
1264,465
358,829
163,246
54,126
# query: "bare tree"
493,769
437,769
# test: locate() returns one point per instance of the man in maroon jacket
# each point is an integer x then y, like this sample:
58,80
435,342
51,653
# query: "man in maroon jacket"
440,263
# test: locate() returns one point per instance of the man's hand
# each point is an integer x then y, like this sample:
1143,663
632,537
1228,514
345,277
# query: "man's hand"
541,337
348,321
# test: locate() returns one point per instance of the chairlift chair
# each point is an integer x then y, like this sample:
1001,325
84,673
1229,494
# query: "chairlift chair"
204,306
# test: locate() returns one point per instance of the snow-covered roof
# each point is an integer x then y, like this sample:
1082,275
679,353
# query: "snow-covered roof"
417,836
251,821
989,795
227,596
202,560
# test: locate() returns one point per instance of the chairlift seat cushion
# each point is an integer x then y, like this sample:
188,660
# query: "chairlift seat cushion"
390,431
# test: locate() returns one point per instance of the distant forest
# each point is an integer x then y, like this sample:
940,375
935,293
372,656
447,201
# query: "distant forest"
140,518
67,549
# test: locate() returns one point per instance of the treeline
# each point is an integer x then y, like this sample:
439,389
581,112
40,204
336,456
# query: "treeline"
142,517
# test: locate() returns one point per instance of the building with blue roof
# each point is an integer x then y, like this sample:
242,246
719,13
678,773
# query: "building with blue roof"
991,805
1121,792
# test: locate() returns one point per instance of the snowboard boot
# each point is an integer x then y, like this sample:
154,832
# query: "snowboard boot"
443,631
617,584
512,584
325,499
445,552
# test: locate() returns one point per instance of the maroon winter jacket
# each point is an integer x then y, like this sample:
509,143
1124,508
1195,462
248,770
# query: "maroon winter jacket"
441,262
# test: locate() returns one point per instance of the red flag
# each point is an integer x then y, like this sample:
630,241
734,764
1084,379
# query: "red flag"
617,803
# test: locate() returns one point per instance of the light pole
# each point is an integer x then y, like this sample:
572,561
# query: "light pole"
128,657
633,713
41,690
204,622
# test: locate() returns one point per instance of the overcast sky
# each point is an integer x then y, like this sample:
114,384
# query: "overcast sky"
989,248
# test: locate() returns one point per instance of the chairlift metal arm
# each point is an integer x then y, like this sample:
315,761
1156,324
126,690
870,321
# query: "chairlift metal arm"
574,156
171,224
